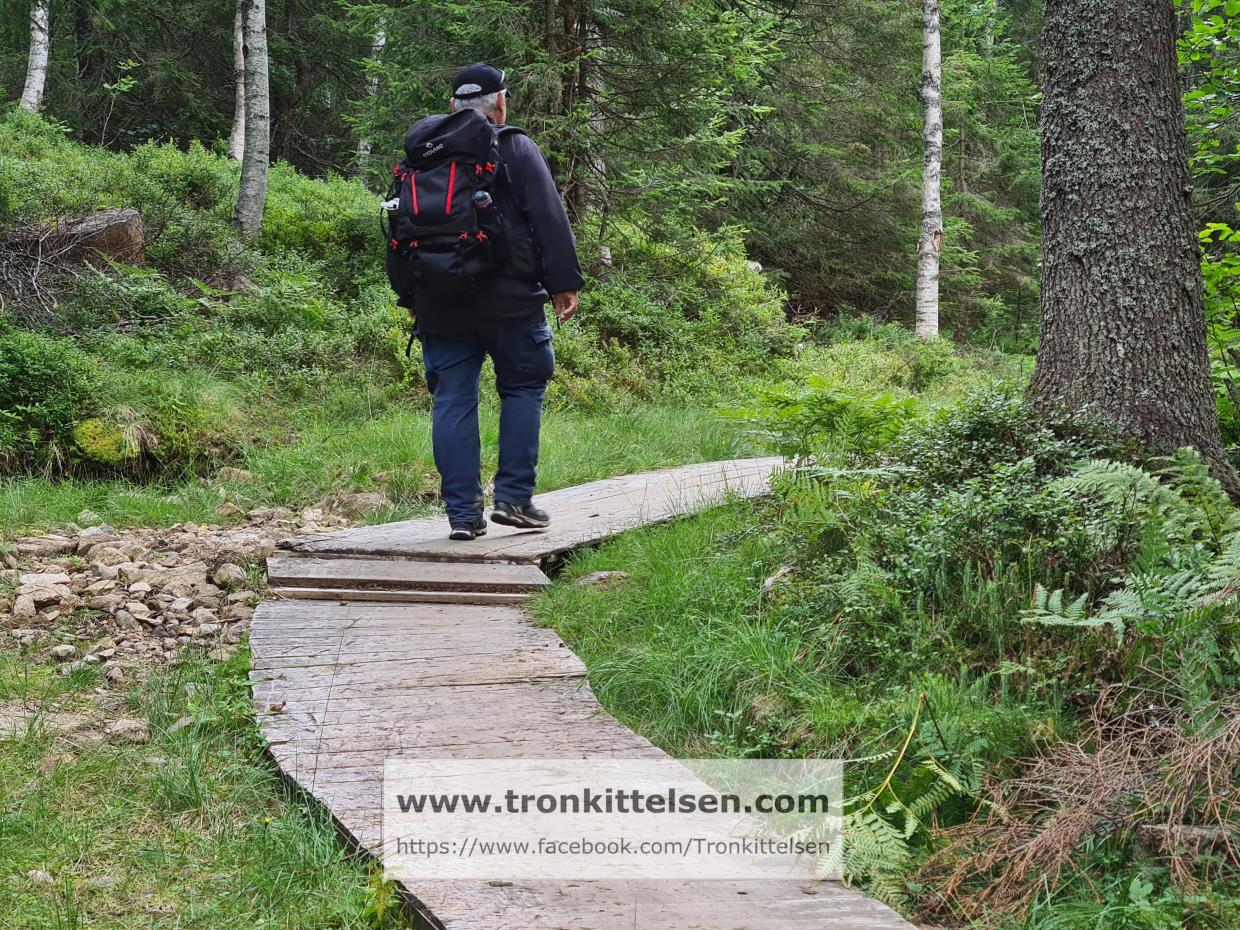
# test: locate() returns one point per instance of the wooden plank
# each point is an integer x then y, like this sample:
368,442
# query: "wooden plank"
400,597
654,905
581,515
386,574
341,685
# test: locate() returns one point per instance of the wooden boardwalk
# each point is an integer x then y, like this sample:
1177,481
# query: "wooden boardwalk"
390,643
582,515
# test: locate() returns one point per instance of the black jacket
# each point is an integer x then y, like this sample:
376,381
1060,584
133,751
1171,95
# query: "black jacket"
526,196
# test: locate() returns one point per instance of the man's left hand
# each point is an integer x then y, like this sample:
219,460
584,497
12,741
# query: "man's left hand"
565,305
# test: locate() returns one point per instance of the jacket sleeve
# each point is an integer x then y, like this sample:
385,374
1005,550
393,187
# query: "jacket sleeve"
552,231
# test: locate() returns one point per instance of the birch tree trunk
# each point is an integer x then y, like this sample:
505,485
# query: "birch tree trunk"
252,193
36,68
1123,334
931,243
372,88
992,26
236,138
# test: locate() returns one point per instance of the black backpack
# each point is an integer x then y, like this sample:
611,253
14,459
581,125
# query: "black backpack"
447,233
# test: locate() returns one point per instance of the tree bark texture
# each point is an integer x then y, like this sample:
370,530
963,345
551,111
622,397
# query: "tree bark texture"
930,246
236,138
252,193
36,67
1123,335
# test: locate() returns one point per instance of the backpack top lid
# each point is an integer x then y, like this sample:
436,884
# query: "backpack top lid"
464,134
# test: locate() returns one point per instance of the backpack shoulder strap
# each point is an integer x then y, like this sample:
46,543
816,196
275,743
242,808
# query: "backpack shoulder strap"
500,133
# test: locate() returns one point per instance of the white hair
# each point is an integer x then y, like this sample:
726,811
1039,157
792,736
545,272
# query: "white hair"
487,104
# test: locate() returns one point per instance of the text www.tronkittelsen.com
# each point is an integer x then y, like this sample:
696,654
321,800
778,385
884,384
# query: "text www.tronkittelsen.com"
645,818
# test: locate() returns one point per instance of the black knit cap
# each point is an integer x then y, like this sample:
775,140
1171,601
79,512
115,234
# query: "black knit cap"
477,80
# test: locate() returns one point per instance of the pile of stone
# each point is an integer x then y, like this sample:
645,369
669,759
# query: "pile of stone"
120,600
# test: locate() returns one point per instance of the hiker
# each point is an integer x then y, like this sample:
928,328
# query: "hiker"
478,243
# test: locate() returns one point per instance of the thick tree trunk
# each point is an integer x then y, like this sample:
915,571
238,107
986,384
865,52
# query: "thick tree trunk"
236,138
252,194
40,45
378,44
931,243
1122,321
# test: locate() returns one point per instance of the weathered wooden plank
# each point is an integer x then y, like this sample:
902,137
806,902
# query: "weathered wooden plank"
654,905
401,597
403,575
362,645
326,616
584,514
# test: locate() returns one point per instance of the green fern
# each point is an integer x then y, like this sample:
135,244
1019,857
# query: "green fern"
1188,555
945,763
876,855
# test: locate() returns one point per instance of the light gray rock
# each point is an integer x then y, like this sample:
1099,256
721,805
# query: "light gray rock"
45,578
126,621
95,536
229,575
229,511
24,607
107,553
202,615
64,652
45,547
43,594
183,580
359,503
601,580
128,730
237,612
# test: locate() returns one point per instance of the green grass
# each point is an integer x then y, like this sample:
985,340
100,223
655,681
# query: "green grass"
194,829
685,652
689,652
389,452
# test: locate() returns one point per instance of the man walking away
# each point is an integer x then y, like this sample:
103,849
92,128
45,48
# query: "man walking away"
479,243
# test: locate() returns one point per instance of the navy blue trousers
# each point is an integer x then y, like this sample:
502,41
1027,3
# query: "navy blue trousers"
524,363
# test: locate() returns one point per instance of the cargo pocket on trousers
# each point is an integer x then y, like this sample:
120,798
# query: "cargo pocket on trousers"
539,362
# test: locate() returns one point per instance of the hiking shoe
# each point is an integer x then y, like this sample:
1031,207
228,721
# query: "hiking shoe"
528,517
463,532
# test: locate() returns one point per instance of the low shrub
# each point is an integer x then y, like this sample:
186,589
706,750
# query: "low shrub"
1042,561
46,386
